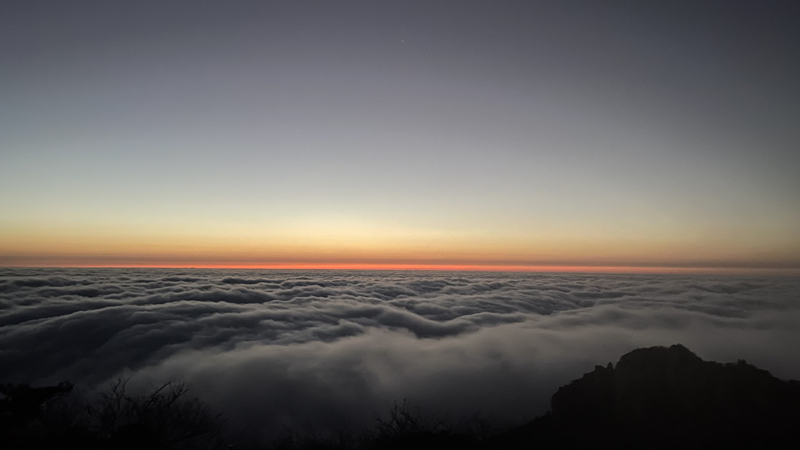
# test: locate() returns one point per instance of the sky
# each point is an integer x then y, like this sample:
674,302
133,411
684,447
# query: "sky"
412,134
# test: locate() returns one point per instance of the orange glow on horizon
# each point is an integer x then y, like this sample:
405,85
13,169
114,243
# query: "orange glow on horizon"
364,248
454,268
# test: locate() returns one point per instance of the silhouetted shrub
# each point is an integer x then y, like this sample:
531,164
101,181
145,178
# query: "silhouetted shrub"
163,418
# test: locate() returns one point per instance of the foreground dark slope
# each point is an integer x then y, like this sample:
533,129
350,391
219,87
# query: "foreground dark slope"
654,397
662,397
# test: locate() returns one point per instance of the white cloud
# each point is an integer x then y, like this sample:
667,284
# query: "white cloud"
328,349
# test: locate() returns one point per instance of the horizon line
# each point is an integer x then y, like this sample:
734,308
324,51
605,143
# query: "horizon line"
440,267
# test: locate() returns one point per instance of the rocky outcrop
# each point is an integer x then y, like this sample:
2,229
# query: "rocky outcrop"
663,397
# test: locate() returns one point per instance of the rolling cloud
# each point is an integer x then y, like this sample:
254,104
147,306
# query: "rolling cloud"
327,350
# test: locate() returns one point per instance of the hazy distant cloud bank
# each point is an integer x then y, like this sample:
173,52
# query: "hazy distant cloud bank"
328,349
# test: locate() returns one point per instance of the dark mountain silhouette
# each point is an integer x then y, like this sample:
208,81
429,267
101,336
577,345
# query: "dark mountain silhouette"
663,397
655,398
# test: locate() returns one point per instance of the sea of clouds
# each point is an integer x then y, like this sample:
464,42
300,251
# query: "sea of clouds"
328,350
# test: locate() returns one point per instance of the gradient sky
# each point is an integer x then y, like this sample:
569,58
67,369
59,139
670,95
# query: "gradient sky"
400,132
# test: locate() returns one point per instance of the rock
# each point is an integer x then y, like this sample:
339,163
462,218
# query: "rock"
662,397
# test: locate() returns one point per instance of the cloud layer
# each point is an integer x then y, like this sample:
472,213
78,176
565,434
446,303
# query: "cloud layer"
329,349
